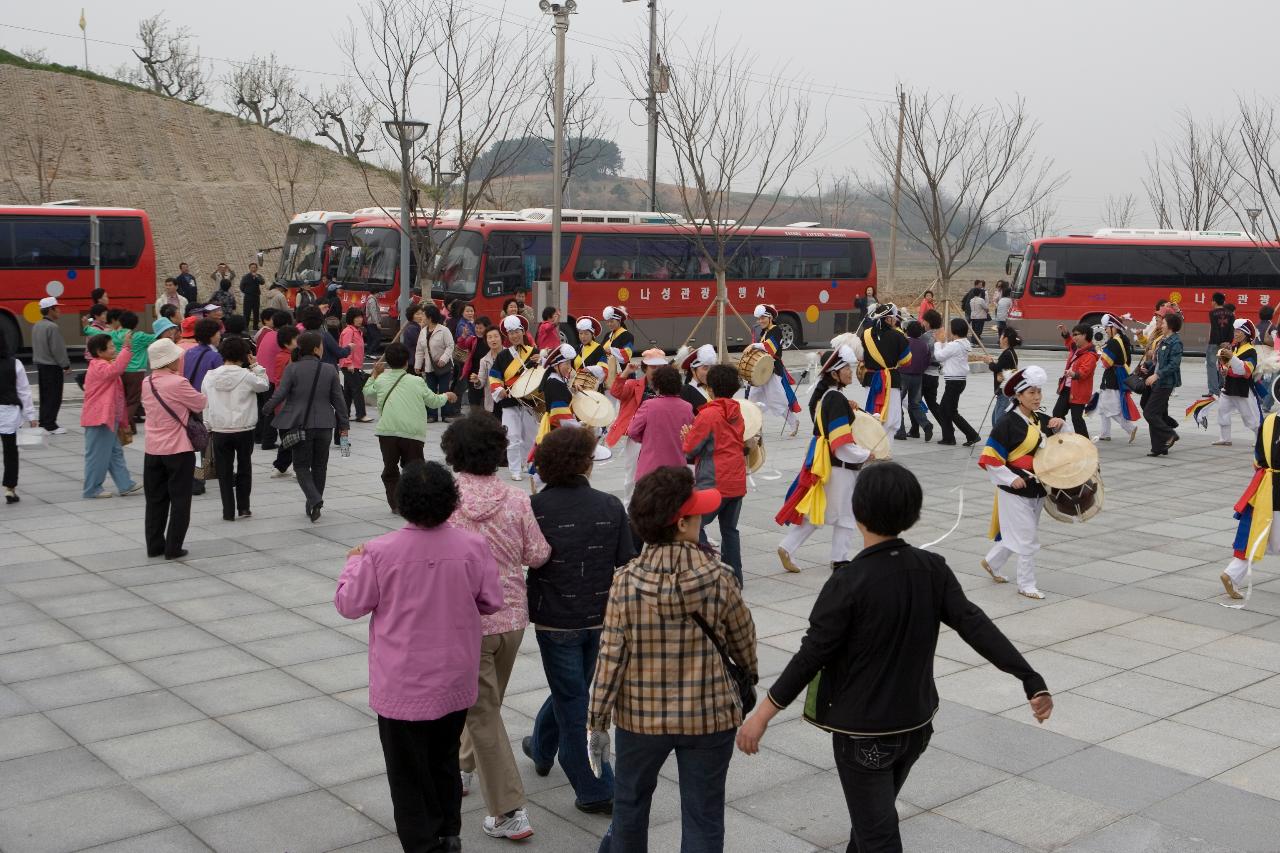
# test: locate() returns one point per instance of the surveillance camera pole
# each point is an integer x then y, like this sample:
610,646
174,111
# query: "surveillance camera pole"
557,296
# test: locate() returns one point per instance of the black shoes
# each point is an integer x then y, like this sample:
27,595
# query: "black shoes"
602,807
947,442
900,436
1159,453
928,435
313,512
544,769
972,441
177,556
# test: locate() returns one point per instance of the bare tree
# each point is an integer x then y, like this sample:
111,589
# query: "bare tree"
1041,219
39,156
38,55
1188,184
833,199
171,64
265,92
585,123
1119,210
735,147
342,118
294,172
968,174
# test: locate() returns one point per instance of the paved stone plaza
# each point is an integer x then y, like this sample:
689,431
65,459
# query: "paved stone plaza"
220,702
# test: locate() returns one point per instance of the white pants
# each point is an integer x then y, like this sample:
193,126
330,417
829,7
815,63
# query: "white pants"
893,422
1109,408
1019,534
521,431
1238,569
773,399
839,491
1247,407
841,540
630,457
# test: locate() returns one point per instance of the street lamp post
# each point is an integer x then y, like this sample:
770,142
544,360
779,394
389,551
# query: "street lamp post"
1254,213
652,105
560,12
406,131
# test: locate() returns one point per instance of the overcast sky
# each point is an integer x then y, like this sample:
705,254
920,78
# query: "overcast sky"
1105,79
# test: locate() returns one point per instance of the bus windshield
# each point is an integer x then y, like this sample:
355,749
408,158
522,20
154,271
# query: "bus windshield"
1019,280
303,254
457,263
371,260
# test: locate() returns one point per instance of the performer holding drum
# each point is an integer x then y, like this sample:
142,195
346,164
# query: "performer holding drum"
1237,362
517,417
591,355
1257,510
885,349
1114,400
776,396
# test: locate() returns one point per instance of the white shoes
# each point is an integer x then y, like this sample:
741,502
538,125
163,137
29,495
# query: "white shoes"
132,490
515,827
1031,593
466,782
58,431
516,476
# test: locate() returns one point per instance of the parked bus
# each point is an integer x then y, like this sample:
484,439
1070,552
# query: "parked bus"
50,251
311,249
1124,271
811,274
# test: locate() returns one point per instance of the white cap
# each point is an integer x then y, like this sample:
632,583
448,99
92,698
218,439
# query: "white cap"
706,356
1110,320
841,357
560,355
1032,377
48,302
512,322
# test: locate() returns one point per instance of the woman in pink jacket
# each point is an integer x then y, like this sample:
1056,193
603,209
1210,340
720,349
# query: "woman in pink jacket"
103,414
427,585
658,423
169,466
352,366
475,447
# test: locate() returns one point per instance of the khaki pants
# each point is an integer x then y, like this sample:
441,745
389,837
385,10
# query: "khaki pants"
485,745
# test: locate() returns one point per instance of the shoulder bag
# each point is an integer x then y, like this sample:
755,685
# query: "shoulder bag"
197,432
741,679
295,436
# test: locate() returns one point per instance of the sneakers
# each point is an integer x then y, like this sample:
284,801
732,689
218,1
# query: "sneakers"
526,746
514,826
466,782
103,494
1221,443
10,496
132,490
58,431
516,476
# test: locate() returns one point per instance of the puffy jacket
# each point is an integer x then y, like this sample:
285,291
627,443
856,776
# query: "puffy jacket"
1081,362
232,393
714,445
589,537
629,392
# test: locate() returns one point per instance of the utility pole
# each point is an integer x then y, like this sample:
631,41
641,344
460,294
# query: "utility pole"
653,106
406,132
84,36
561,13
897,192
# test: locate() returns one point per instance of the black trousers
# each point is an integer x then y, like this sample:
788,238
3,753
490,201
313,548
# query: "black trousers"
252,309
950,419
929,392
1064,405
311,464
265,433
872,772
166,482
10,441
397,452
1156,413
233,460
423,775
353,390
49,379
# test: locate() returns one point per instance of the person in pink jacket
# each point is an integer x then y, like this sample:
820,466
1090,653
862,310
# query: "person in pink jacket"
352,366
103,414
427,585
659,422
169,466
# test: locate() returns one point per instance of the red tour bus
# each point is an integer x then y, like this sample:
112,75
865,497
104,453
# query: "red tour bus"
311,249
811,274
1077,279
51,250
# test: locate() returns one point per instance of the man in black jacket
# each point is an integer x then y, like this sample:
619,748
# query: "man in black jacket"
251,288
589,537
867,658
1221,316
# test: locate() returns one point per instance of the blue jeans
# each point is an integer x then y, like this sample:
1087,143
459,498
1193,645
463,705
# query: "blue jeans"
103,454
998,408
560,729
1211,367
730,539
439,383
703,761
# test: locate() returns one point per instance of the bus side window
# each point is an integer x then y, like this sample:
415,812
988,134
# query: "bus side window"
1048,280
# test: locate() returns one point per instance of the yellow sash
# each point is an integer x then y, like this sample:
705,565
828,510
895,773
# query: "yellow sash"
517,365
869,341
1262,502
1027,445
813,505
587,351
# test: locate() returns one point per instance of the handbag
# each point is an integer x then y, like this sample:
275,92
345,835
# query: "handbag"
742,681
295,436
1136,382
197,432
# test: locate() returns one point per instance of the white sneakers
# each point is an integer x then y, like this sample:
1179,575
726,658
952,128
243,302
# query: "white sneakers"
58,431
132,490
514,827
516,476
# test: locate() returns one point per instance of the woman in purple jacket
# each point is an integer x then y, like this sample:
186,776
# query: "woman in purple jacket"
427,585
658,423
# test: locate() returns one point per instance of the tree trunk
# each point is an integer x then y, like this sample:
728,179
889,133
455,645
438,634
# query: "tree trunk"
722,297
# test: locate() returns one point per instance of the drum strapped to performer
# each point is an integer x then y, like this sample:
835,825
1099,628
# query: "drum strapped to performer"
584,380
592,409
1067,466
755,367
528,388
869,433
1076,505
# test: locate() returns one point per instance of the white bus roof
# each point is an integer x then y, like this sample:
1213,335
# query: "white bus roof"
1168,234
612,217
450,213
318,216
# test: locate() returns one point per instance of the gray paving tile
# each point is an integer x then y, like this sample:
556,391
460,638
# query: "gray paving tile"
1082,718
1237,718
102,815
160,642
52,660
1204,672
311,645
1259,776
1249,651
29,734
231,695
940,777
98,625
315,821
1137,834
223,786
1030,813
59,586
334,675
219,607
292,722
1222,814
1184,748
11,704
937,834
1113,649
338,758
19,613
76,688
46,775
89,603
125,715
175,839
201,665
1113,779
173,748
259,626
1164,631
741,831
1145,693
1006,745
34,635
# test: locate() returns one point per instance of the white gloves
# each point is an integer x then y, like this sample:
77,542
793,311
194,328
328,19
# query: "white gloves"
598,751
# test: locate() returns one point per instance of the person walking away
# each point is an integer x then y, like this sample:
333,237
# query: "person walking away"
103,416
314,321
713,444
352,365
231,416
168,466
434,356
251,294
590,537
1004,306
1114,399
902,595
421,682
49,352
1238,377
933,373
198,361
954,358
1220,332
287,348
401,398
979,310
311,399
1075,386
16,411
1166,375
474,448
912,376
659,423
659,675
1002,367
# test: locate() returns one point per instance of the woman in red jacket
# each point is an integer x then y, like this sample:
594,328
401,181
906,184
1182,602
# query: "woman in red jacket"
1075,388
713,443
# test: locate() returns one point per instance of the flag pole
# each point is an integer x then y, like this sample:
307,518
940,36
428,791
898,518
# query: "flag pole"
84,35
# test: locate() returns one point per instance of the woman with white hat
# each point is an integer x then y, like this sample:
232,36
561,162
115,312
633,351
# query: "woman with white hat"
590,355
823,490
1009,460
1114,400
515,415
1237,370
777,396
619,342
168,468
695,364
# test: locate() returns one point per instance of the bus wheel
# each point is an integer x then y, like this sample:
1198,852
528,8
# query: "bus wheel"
790,326
9,330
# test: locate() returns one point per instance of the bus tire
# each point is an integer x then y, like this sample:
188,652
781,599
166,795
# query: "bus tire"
9,330
792,338
1091,319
